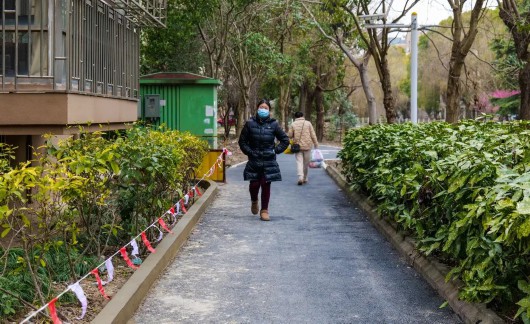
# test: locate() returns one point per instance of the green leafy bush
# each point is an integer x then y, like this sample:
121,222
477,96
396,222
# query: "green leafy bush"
82,199
463,191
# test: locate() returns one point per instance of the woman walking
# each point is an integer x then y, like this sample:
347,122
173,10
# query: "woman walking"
257,142
303,134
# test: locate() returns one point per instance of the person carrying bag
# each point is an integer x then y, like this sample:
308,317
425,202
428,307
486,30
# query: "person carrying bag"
295,147
305,140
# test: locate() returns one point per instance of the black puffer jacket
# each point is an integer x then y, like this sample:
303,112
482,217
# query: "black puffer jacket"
257,142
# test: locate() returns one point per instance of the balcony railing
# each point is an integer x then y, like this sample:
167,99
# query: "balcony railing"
79,46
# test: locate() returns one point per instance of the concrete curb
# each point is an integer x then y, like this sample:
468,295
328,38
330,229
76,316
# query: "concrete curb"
431,270
123,305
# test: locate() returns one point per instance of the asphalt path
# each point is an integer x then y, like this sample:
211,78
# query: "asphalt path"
319,260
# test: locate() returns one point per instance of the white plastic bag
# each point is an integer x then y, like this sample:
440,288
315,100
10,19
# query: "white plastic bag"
316,159
316,156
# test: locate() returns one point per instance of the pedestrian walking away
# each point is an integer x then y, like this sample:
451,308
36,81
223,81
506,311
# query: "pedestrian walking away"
257,142
302,133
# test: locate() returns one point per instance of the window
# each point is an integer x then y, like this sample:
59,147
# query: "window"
24,37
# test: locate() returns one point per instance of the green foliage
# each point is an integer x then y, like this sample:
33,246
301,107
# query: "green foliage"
430,99
404,86
177,47
461,190
423,43
343,118
506,63
88,195
16,282
508,106
7,155
147,183
264,53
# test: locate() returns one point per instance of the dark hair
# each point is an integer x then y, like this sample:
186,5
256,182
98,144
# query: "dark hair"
264,101
298,114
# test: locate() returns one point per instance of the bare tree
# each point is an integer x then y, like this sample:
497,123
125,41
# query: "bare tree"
377,42
215,33
517,22
463,38
359,58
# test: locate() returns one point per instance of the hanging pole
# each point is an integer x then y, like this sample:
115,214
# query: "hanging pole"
414,69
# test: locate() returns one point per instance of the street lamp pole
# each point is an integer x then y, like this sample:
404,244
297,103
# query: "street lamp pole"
414,69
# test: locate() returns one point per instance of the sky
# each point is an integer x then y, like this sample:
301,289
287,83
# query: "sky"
430,12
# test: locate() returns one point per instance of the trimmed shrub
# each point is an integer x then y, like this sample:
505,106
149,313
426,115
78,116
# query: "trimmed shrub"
462,191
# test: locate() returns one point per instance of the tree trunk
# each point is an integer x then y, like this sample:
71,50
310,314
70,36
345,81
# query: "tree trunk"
362,67
524,85
246,103
368,94
453,91
388,97
306,100
309,99
240,117
283,104
319,102
463,38
513,19
302,98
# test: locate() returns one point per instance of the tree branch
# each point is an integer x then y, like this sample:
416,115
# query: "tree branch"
437,51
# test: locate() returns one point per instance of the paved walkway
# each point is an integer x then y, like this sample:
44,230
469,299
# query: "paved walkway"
318,260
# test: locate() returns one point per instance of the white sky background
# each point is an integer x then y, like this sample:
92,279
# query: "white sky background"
430,12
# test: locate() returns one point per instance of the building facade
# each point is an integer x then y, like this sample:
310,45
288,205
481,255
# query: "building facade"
68,63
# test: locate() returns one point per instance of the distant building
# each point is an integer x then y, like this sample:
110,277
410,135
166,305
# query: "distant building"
398,41
68,63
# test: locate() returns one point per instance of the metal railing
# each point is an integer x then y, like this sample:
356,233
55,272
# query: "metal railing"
79,46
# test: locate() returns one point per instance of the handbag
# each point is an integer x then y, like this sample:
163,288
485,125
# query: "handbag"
295,147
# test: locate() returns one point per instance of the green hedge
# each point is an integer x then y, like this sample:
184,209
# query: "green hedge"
463,191
84,198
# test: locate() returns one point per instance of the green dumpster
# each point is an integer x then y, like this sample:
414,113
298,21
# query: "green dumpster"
181,101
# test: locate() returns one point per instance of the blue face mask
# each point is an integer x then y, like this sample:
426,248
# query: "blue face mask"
263,113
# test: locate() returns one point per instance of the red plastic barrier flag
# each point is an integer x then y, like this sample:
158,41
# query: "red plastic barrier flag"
183,207
126,258
53,311
163,224
173,215
147,243
95,272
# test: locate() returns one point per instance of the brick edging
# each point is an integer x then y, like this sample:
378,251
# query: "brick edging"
126,301
431,270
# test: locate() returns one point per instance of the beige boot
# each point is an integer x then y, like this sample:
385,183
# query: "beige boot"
255,207
264,215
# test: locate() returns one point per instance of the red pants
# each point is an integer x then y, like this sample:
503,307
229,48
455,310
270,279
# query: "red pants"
254,186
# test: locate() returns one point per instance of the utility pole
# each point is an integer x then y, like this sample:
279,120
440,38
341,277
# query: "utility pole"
414,69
